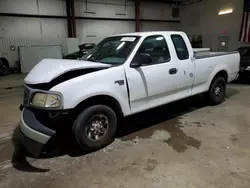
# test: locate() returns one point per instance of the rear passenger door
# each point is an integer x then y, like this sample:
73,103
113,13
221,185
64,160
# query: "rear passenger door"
186,69
152,84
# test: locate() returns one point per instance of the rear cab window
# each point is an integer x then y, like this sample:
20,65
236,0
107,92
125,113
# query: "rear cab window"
180,47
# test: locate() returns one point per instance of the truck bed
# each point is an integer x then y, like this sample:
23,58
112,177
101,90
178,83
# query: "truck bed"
207,54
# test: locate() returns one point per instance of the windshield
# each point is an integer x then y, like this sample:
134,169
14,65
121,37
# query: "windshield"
112,50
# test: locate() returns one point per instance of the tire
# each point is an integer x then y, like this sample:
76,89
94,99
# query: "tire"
217,91
4,67
95,117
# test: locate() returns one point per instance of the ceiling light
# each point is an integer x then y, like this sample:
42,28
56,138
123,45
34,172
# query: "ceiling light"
227,11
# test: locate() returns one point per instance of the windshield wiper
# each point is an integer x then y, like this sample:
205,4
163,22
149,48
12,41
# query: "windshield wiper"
93,60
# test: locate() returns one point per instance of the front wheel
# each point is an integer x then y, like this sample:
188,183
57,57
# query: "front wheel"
95,127
217,91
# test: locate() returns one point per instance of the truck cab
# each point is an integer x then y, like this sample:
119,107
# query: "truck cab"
123,75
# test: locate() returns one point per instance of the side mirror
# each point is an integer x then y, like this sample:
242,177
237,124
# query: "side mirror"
142,59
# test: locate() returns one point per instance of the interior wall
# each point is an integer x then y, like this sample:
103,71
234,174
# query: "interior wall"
21,31
118,9
89,31
157,11
33,27
95,30
202,18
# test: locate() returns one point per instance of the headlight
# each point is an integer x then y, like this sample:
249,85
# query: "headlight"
46,100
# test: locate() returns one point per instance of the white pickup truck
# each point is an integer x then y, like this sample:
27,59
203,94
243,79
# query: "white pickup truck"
123,75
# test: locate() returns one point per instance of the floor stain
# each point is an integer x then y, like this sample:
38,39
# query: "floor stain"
6,150
234,138
7,88
178,140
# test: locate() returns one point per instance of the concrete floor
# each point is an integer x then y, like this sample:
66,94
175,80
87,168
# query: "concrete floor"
186,144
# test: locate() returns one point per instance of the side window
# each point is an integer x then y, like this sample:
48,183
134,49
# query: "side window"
156,47
180,47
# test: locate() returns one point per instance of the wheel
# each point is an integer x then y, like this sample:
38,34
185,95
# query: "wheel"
4,67
217,91
95,127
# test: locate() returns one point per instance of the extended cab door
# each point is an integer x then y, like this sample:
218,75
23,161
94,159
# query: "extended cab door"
156,83
186,71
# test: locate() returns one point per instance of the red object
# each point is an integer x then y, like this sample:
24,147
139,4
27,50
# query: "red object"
223,32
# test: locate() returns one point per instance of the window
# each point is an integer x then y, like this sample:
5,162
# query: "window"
180,47
112,50
156,47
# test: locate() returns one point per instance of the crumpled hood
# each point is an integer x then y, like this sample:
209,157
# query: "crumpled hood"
48,69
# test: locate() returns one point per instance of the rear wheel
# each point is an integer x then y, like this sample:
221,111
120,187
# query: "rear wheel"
217,91
95,127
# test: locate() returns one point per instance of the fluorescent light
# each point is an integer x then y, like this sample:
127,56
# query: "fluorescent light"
228,11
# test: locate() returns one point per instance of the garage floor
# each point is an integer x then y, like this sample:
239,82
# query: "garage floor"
184,144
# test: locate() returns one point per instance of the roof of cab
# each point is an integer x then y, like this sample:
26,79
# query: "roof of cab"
148,33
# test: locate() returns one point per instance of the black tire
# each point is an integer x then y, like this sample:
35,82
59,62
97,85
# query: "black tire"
81,127
217,91
4,67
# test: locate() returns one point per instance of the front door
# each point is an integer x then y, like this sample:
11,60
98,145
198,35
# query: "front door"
154,84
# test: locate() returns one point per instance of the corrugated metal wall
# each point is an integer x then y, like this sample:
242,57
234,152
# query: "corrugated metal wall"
19,31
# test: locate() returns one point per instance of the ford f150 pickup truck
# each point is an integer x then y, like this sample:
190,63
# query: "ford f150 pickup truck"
122,75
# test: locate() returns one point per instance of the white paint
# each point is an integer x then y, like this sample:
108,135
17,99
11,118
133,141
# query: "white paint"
56,67
149,86
128,39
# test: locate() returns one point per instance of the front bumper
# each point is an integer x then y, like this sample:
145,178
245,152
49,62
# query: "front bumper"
33,134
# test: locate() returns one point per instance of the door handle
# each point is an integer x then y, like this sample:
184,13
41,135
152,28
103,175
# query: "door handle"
173,71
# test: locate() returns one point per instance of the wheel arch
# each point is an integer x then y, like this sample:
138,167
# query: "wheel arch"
99,99
221,73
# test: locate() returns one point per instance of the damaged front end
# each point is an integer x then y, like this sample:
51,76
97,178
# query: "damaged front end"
43,115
